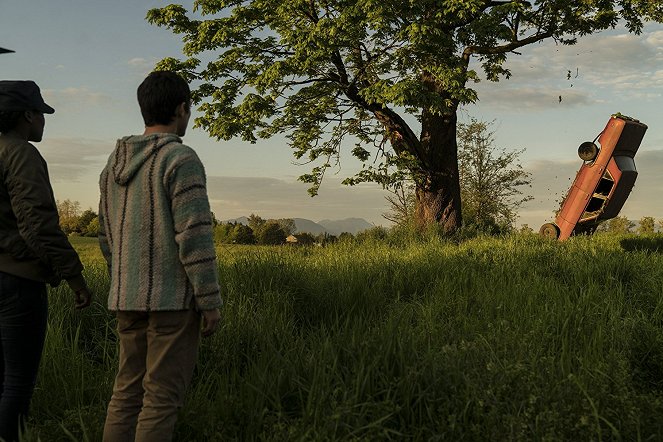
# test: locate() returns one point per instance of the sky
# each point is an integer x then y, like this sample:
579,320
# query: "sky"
89,56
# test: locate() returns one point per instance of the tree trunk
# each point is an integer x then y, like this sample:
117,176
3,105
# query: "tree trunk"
437,183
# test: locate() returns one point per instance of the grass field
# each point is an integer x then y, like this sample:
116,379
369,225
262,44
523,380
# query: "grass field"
493,339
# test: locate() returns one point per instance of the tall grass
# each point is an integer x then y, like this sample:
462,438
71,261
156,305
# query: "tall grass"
493,339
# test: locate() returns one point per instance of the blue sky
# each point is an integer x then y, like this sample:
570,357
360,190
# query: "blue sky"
89,56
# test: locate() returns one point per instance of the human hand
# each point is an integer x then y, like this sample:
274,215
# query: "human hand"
83,298
211,320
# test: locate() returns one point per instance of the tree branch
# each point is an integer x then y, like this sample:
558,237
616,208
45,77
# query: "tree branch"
509,47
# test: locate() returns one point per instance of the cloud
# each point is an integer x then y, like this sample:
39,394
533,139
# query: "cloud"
143,65
232,197
600,64
514,99
76,96
654,39
595,57
138,61
71,159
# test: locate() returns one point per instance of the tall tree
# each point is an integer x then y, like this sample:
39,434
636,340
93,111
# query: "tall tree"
321,71
68,211
491,179
256,223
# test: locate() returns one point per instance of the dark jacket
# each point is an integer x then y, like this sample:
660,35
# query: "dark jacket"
32,245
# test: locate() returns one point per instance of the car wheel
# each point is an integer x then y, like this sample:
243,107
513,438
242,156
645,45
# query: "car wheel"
549,230
587,151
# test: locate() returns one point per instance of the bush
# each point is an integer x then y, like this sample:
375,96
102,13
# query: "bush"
271,233
233,233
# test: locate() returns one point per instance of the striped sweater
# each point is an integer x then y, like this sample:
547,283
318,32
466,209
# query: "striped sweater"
156,226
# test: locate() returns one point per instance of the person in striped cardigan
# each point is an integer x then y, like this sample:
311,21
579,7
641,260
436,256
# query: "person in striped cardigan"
156,236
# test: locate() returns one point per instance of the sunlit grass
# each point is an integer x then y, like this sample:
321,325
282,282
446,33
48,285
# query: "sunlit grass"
493,339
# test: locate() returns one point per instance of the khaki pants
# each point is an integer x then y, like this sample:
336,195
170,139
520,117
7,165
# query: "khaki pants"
158,351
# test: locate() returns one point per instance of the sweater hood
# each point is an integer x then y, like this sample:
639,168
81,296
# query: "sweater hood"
133,151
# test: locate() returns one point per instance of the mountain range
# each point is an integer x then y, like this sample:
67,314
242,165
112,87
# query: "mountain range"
331,226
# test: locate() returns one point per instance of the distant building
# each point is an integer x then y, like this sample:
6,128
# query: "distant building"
301,239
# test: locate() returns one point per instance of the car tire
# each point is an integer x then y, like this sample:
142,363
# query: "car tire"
549,230
588,151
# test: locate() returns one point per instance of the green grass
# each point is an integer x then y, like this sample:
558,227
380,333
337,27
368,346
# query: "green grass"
493,339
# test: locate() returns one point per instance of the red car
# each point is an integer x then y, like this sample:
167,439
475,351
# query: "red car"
603,182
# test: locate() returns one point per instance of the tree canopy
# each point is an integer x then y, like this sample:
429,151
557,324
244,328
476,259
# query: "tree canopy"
387,75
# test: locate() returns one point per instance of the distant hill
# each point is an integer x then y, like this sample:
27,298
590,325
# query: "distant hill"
350,225
333,227
306,225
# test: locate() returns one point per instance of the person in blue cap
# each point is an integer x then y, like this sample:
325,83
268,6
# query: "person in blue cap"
33,250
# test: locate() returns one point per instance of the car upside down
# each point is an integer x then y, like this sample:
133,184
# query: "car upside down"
603,182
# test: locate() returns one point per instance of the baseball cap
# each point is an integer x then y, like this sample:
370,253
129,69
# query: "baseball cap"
22,95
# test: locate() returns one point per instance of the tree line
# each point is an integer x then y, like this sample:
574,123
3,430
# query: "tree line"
269,232
73,221
621,225
77,222
259,231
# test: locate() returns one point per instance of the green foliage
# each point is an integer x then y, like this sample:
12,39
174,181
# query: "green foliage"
326,238
647,225
223,233
256,223
233,233
69,211
345,237
92,228
243,235
271,233
288,225
491,179
320,72
526,229
619,225
84,220
377,233
305,238
73,222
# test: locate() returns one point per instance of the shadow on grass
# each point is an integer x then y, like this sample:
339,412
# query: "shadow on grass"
642,244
